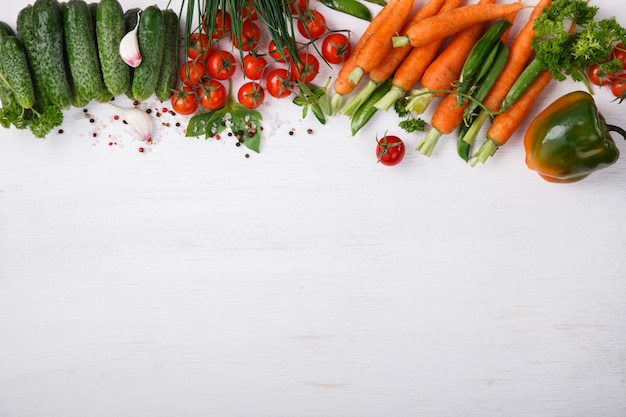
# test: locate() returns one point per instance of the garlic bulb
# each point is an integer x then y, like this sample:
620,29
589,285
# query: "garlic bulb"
129,46
138,119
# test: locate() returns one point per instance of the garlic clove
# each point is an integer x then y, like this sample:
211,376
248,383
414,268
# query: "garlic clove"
138,119
129,46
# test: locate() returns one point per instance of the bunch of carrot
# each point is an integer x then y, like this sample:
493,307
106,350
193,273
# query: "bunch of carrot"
404,48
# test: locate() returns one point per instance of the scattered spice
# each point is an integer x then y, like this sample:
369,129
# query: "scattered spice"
141,149
309,131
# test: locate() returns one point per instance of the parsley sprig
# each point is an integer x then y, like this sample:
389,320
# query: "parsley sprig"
568,53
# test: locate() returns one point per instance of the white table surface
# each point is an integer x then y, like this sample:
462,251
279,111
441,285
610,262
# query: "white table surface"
306,280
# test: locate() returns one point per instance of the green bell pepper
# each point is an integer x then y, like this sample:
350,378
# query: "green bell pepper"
570,139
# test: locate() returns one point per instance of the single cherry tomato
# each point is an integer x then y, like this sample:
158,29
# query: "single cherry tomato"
212,95
199,46
249,37
184,100
307,69
312,24
254,66
249,11
298,7
191,72
274,52
619,52
221,65
251,95
221,26
336,48
278,83
390,150
618,88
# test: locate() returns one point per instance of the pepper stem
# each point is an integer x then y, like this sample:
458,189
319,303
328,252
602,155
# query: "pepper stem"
613,128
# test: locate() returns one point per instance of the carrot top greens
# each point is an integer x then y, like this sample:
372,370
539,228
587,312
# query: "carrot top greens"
567,54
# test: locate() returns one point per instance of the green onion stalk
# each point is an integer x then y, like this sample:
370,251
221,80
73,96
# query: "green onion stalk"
274,14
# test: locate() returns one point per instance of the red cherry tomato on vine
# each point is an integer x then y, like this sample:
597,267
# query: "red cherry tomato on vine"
249,12
212,95
221,26
312,24
249,37
199,46
619,89
251,95
306,70
274,52
336,48
278,83
619,52
254,66
221,65
390,150
298,7
184,100
191,72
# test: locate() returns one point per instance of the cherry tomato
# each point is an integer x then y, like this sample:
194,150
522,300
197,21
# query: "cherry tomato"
278,83
390,150
248,11
212,95
306,70
221,26
336,48
298,7
619,52
312,24
251,95
221,65
199,46
184,100
191,72
254,66
619,89
249,37
279,56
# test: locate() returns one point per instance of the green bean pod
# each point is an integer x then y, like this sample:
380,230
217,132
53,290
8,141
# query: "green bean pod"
525,80
480,53
463,143
379,2
367,110
351,7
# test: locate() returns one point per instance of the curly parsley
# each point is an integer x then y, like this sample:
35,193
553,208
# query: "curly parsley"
568,53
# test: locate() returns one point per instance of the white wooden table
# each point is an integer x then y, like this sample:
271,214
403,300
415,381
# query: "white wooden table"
306,280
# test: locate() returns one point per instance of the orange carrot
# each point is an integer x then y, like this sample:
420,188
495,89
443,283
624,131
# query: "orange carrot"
506,123
342,84
379,44
519,55
387,66
447,117
412,68
453,21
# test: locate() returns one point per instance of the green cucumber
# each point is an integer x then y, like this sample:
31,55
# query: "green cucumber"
48,57
11,109
151,35
169,67
82,55
104,94
110,29
16,71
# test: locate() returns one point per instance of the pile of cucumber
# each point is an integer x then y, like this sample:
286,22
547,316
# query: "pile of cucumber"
66,54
